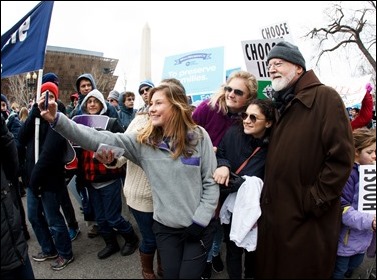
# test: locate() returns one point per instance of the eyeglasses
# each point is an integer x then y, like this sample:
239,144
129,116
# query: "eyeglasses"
275,65
144,90
236,91
253,118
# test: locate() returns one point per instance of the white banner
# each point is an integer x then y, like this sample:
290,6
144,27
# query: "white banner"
351,90
367,189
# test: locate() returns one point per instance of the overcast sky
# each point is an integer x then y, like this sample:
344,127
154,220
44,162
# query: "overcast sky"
115,28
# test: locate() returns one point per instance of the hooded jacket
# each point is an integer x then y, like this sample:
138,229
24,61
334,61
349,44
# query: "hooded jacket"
12,120
90,169
111,111
356,233
126,115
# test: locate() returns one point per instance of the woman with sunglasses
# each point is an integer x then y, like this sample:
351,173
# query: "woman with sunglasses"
238,143
217,115
177,157
225,106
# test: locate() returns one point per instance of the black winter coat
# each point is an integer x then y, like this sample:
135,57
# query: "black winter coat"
14,248
48,173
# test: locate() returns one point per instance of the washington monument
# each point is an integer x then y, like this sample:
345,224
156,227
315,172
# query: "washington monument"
145,55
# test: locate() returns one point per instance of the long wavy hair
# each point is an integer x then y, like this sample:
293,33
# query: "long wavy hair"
180,128
219,97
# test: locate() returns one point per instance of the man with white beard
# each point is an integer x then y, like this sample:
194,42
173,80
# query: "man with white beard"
309,159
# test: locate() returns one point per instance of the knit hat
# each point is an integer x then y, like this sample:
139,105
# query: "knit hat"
74,96
288,52
51,87
146,83
50,77
113,95
4,98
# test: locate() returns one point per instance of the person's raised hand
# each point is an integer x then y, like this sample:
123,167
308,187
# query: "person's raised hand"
49,113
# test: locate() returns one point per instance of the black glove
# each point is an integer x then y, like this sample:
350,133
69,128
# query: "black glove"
5,114
4,129
193,232
234,184
35,112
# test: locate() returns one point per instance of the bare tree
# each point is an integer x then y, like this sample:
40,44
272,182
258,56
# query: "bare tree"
350,30
18,90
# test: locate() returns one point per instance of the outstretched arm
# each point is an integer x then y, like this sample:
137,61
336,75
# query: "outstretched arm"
87,137
366,111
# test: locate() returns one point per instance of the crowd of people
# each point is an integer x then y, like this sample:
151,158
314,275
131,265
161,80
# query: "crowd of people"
276,180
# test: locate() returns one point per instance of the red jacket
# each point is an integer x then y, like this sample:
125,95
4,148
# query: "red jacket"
366,112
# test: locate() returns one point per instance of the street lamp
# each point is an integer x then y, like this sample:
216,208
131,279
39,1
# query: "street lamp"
30,82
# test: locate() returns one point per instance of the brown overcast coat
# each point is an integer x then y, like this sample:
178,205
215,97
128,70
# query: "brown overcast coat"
309,159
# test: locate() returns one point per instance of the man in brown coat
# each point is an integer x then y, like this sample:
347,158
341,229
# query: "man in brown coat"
309,160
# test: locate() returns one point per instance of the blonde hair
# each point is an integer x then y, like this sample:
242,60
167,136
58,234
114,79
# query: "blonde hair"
178,125
23,114
15,106
219,97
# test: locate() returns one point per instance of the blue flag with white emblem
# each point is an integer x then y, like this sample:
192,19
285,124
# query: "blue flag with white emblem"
23,47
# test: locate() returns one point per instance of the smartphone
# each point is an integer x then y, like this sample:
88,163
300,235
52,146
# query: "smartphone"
46,99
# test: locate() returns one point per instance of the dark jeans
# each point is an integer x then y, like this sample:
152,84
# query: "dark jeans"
343,264
24,271
234,258
144,221
217,242
107,206
44,214
181,258
68,210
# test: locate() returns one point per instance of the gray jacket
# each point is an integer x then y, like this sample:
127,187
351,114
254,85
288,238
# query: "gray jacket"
183,189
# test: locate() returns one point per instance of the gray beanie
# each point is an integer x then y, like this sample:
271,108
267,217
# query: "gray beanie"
113,95
288,52
146,83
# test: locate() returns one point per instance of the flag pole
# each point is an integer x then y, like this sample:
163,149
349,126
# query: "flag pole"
37,120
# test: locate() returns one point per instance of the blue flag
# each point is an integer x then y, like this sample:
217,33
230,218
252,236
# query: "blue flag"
23,47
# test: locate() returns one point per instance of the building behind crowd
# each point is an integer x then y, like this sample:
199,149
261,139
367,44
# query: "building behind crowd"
68,64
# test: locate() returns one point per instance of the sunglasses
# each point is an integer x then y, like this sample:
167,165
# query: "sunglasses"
143,90
236,91
253,118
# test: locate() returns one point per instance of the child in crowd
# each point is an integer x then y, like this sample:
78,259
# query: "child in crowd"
357,227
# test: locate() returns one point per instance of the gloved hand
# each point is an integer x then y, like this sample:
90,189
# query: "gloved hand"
5,114
4,129
235,182
193,232
368,87
35,112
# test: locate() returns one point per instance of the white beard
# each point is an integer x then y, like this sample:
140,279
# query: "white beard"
283,82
